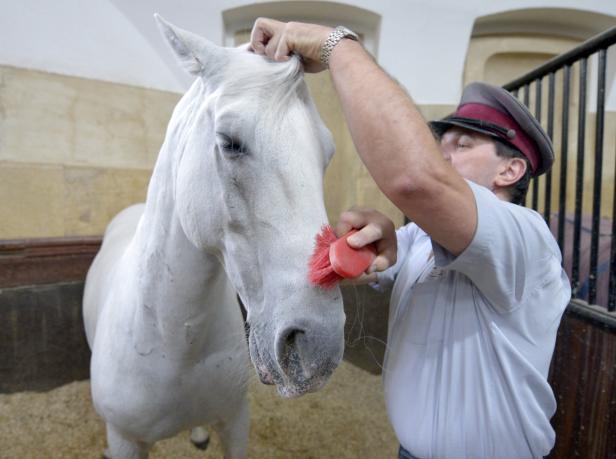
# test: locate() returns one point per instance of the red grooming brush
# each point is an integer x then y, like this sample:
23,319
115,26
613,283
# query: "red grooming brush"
333,259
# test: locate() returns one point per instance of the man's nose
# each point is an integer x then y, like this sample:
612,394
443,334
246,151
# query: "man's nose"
446,152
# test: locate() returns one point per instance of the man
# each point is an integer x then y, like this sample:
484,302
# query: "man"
478,288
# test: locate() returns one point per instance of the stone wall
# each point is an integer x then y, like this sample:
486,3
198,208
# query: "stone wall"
73,151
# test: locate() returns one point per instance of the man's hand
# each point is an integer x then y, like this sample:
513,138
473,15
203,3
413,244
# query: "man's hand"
277,40
373,227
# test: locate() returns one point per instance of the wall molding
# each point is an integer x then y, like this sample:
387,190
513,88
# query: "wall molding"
365,22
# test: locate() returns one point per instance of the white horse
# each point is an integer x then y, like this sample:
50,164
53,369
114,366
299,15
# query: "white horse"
233,205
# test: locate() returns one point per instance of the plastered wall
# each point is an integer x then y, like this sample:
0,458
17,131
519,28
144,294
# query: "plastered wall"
73,151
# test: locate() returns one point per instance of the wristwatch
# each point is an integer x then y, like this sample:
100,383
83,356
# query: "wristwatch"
333,39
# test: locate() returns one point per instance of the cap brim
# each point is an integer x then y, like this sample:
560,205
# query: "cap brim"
441,126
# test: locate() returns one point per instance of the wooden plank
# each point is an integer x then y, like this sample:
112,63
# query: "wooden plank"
46,261
42,340
583,377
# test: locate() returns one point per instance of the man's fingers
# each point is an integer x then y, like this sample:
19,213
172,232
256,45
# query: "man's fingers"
348,220
282,50
354,218
270,48
262,31
257,40
380,263
373,227
342,228
367,235
387,255
388,250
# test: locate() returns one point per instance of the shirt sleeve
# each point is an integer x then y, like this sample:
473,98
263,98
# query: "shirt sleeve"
511,254
405,237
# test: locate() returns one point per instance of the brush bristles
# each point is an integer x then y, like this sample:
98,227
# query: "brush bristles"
320,268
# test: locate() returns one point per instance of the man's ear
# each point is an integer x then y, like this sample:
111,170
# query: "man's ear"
513,170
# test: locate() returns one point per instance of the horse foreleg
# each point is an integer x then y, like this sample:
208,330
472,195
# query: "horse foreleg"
200,437
121,447
233,432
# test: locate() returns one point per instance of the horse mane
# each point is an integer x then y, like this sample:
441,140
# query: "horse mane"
274,80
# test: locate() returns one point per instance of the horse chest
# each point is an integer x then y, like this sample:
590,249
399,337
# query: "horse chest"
156,395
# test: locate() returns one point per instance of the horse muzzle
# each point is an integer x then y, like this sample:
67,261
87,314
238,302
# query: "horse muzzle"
301,359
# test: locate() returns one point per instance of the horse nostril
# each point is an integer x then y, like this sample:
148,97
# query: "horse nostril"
307,353
290,338
288,352
289,342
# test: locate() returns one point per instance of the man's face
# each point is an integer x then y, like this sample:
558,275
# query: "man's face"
472,155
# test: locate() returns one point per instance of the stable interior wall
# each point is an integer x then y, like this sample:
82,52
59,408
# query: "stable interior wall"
74,151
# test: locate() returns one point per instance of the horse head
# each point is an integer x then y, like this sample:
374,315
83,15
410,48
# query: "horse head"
250,155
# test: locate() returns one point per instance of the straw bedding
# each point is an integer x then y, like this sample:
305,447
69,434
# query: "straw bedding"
346,419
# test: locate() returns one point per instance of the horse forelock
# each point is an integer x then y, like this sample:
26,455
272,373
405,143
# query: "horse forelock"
277,87
250,73
246,74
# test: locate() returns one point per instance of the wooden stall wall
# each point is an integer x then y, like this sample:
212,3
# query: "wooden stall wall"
42,341
583,377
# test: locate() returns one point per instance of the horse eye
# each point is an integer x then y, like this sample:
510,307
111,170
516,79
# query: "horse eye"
232,146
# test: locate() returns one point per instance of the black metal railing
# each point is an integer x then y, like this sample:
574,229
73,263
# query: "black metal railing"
589,250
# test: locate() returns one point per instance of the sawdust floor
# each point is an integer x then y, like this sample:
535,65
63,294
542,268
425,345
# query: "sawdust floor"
346,419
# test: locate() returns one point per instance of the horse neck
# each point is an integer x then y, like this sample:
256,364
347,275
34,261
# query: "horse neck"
177,283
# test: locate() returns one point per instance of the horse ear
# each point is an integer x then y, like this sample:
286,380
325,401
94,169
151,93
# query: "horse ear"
192,51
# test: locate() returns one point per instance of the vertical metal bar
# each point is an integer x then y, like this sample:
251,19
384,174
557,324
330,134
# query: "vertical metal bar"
596,200
547,206
527,103
535,203
611,300
579,179
564,159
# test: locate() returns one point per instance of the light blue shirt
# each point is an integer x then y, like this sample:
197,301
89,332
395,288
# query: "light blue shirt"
471,337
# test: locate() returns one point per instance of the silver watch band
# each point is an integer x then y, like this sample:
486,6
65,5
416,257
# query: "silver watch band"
332,40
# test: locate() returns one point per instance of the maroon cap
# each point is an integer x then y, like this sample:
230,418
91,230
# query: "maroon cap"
493,111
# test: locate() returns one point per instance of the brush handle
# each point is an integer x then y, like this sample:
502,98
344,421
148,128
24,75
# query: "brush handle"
347,261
